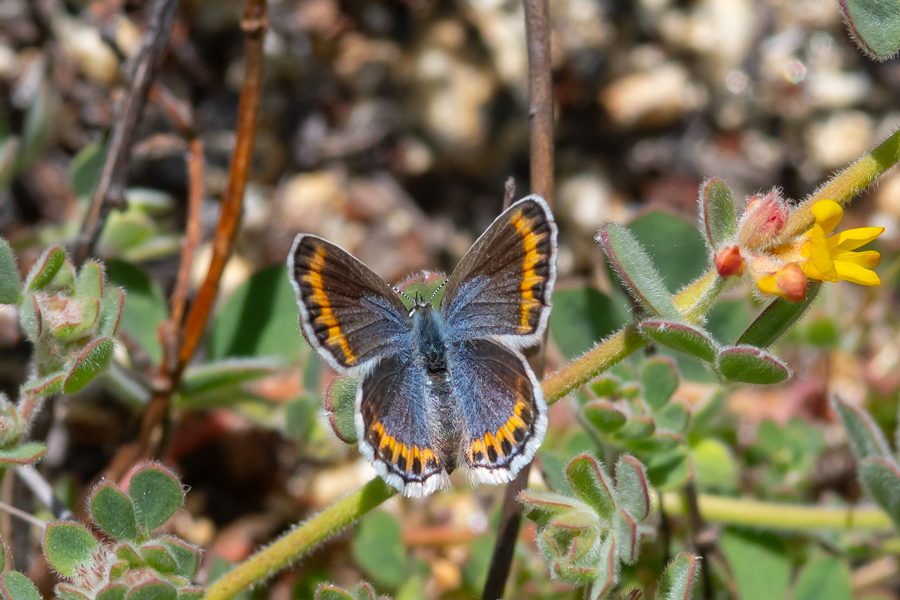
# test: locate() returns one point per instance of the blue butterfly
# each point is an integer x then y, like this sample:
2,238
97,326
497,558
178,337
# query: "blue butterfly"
439,386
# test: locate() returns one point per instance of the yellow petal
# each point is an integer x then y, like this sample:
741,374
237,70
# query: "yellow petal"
820,265
867,259
856,274
768,285
855,238
828,214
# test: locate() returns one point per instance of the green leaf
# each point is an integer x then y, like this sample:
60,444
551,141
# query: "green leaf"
111,307
659,377
679,578
632,489
881,476
606,385
340,405
607,569
823,579
777,318
604,415
675,247
761,569
92,360
627,536
153,590
746,364
541,506
30,318
637,427
715,465
45,269
126,553
68,546
673,417
16,586
681,337
574,520
114,591
636,271
158,557
378,548
10,286
70,592
145,308
874,25
866,437
581,316
113,513
44,386
24,454
326,591
670,470
475,569
90,281
261,317
86,166
716,213
589,481
156,494
38,127
300,418
223,373
187,557
191,593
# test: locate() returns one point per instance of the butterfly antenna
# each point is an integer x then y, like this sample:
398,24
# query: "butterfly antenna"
403,294
439,288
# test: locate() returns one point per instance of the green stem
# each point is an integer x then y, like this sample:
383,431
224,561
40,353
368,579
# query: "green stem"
300,541
846,184
772,515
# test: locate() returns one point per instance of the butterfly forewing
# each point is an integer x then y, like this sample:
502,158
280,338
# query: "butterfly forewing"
503,284
349,314
392,423
503,409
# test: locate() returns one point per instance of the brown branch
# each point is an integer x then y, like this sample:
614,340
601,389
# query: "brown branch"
110,190
155,419
540,88
254,25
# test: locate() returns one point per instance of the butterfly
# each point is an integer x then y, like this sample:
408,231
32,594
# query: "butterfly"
439,386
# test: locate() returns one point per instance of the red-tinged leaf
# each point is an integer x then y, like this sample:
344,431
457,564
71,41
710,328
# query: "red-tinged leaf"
44,386
681,337
632,487
746,364
592,485
25,454
604,415
717,215
45,268
92,360
679,578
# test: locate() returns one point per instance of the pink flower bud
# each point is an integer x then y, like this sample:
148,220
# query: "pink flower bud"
762,221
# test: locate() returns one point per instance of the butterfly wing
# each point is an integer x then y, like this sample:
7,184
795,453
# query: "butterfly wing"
392,424
503,408
503,284
349,314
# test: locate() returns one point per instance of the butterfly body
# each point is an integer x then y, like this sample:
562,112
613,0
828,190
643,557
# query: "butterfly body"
447,385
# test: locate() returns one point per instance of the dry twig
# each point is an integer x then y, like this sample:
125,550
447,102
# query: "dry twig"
110,190
540,86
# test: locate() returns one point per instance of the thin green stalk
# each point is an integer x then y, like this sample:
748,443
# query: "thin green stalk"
846,184
300,541
773,515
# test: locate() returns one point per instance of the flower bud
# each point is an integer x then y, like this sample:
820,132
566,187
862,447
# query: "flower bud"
729,262
762,221
789,282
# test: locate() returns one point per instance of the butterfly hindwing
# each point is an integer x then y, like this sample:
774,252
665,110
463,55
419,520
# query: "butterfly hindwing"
393,428
348,313
503,284
503,408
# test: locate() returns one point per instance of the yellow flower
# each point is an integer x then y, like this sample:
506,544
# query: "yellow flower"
832,258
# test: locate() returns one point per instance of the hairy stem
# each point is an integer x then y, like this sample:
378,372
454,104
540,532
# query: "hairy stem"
846,184
300,541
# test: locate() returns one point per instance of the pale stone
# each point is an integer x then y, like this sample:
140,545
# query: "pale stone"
840,139
653,98
87,49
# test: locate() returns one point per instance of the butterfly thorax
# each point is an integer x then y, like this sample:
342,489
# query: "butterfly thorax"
443,409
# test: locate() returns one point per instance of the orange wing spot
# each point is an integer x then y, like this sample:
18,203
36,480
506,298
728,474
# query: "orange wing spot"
530,240
335,337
